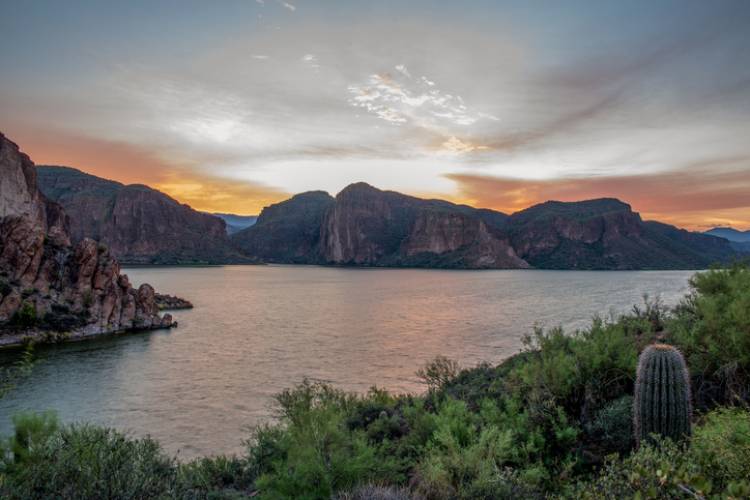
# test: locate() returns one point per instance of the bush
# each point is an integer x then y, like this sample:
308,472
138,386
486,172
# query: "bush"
711,328
83,462
374,492
25,317
716,462
216,477
316,454
612,426
721,446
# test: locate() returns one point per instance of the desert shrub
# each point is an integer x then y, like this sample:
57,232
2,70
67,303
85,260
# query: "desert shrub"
61,319
711,328
438,372
31,433
25,317
612,426
84,462
714,463
214,478
721,446
376,492
316,454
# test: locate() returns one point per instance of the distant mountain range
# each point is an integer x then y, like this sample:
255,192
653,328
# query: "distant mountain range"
140,225
365,226
235,222
740,240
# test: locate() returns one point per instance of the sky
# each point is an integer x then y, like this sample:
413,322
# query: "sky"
231,106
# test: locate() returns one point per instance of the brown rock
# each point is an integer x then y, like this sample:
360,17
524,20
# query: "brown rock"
76,288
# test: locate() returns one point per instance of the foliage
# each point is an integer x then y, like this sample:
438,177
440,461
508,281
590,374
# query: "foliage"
25,317
714,463
552,421
317,454
82,462
612,426
216,477
712,328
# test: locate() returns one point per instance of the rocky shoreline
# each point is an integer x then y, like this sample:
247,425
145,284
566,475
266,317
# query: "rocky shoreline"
167,302
50,284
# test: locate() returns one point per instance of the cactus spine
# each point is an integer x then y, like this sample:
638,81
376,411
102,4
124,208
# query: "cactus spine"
662,394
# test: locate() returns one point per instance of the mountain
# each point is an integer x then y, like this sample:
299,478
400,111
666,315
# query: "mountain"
606,234
287,232
731,234
364,226
140,225
48,283
370,227
236,223
739,240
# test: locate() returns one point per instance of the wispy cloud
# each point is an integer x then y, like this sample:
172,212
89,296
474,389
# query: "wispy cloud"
400,98
288,6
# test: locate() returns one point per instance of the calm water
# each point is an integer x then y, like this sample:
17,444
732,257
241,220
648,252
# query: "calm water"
256,330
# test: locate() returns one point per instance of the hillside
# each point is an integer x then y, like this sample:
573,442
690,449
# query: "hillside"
140,225
364,226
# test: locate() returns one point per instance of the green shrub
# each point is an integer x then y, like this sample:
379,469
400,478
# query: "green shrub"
715,463
25,317
612,426
721,446
711,328
317,455
85,462
375,492
216,477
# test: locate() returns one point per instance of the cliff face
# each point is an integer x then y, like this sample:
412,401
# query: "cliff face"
606,234
370,227
287,232
138,224
45,281
365,226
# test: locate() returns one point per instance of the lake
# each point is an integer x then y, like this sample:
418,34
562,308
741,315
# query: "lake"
256,330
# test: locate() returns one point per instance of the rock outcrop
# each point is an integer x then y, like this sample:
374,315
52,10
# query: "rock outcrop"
606,234
170,302
139,225
47,283
370,227
287,232
365,226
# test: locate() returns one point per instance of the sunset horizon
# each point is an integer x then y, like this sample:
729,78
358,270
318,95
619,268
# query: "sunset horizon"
509,107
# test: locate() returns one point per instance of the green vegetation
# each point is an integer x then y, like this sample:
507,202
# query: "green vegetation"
554,421
662,394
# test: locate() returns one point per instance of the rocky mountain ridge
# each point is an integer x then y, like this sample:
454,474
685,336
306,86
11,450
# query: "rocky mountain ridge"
139,225
364,226
49,283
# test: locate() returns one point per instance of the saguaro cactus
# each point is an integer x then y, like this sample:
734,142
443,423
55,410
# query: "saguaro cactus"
662,394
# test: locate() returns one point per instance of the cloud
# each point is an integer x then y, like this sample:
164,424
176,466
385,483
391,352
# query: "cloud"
701,194
399,98
288,6
455,145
